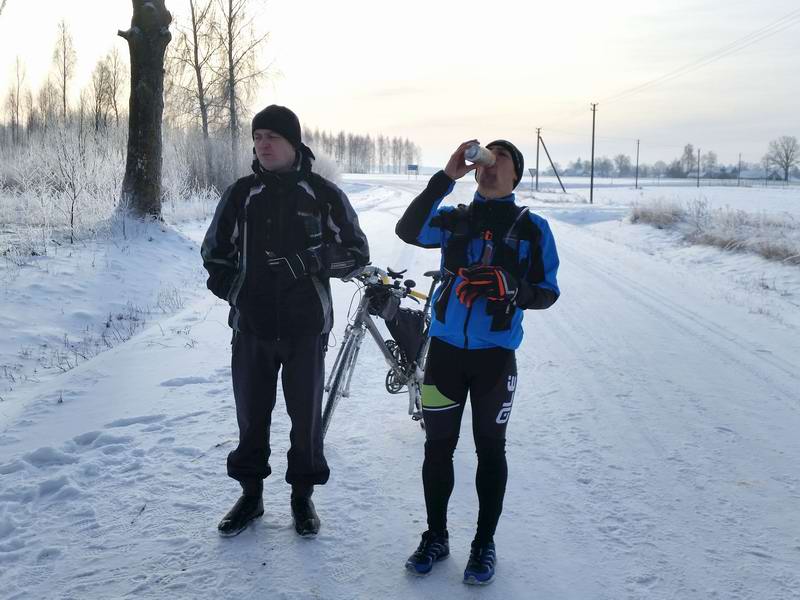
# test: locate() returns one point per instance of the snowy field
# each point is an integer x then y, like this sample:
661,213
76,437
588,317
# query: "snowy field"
652,449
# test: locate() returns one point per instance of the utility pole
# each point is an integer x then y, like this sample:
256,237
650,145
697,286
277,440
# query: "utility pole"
739,172
591,179
538,142
552,164
698,167
636,186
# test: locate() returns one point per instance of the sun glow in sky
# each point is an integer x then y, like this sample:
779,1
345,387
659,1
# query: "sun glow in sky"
439,72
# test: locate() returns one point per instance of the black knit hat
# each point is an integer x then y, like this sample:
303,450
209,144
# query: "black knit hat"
280,120
516,156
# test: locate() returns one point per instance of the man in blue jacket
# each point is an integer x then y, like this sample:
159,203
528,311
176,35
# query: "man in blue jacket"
498,259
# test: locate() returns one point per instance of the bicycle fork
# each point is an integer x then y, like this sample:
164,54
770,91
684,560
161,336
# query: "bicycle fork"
346,360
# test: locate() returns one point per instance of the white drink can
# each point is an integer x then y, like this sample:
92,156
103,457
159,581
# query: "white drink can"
479,155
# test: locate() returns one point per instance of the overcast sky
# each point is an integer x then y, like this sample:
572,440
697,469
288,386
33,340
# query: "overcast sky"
439,72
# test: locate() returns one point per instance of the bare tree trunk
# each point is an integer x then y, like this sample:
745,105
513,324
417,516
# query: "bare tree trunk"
240,72
147,41
234,117
201,93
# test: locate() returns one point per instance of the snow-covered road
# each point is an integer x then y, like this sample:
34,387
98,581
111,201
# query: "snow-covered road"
653,449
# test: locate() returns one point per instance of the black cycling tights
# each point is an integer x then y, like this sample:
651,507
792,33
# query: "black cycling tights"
489,377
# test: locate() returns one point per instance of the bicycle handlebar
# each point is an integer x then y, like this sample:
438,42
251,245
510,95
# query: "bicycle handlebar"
372,276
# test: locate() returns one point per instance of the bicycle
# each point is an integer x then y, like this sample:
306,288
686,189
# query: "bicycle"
404,355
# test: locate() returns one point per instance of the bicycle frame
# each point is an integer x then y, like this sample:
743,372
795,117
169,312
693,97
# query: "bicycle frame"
344,366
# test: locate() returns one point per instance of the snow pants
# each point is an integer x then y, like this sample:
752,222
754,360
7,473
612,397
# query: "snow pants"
255,364
489,376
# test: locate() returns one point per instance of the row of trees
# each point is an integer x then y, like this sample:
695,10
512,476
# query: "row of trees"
101,101
782,160
212,75
212,72
364,153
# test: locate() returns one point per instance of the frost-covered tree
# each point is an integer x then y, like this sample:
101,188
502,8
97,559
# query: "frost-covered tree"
240,71
117,80
383,152
64,60
783,153
675,169
659,168
577,168
622,162
604,166
47,104
688,160
195,79
708,161
100,93
14,100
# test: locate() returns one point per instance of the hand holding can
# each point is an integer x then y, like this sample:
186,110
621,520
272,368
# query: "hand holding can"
479,155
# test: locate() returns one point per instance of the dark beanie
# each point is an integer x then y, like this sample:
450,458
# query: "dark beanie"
516,156
280,120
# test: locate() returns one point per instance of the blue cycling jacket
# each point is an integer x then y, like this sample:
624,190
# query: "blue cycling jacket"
521,243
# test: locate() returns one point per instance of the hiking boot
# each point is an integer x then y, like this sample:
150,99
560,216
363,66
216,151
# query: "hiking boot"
480,566
433,548
306,521
245,510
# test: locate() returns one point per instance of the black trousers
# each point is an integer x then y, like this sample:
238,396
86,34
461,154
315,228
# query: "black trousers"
489,376
254,366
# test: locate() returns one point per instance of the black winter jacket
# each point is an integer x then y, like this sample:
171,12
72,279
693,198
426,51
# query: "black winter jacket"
266,212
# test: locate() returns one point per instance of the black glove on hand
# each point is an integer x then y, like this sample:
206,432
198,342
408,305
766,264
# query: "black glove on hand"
493,283
297,265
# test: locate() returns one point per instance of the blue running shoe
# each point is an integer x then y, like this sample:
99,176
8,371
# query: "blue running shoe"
480,567
433,548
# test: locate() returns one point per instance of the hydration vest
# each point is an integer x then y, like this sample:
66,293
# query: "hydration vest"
500,226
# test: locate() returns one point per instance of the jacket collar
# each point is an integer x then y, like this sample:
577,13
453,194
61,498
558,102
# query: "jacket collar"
299,172
479,198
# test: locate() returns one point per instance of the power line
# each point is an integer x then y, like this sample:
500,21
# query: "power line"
599,137
785,22
615,139
773,28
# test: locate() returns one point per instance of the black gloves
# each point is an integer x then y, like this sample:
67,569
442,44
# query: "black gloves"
297,265
493,283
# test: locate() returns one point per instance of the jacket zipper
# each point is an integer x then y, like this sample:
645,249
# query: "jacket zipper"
279,250
486,258
466,322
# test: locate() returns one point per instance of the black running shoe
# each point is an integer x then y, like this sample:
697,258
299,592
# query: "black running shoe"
433,548
245,510
306,521
480,567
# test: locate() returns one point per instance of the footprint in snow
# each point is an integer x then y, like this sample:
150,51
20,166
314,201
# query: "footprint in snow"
48,456
135,421
187,416
182,381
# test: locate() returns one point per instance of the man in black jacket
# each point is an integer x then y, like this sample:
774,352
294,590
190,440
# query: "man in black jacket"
275,239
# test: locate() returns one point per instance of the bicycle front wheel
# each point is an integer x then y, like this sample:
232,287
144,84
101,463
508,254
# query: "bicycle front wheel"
338,382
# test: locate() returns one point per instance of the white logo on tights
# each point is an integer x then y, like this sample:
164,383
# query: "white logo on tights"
505,410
